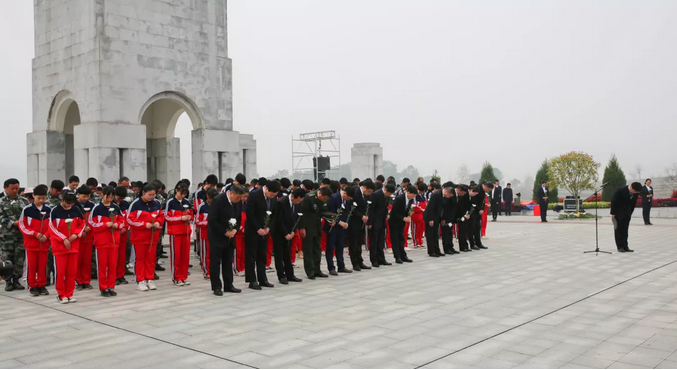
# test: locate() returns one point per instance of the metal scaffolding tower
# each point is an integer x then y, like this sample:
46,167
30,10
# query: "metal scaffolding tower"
309,147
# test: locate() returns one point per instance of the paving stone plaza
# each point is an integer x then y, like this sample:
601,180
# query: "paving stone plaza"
533,300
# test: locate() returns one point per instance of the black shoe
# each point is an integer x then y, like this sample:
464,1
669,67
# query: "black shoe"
266,284
433,255
621,250
494,220
17,285
79,287
163,255
43,291
218,292
474,248
386,263
284,281
112,292
9,286
465,250
121,281
128,273
190,266
254,286
333,273
407,260
311,277
232,289
34,292
322,275
482,247
355,268
629,250
454,251
156,277
398,261
105,293
87,286
344,270
159,268
649,223
544,221
295,279
365,267
441,254
375,265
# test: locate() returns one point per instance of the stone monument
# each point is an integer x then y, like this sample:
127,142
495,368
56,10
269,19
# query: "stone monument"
366,160
111,79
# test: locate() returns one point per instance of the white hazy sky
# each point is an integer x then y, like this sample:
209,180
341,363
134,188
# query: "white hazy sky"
437,82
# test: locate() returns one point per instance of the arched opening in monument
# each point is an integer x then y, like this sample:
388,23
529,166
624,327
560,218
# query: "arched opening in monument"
64,116
183,130
161,115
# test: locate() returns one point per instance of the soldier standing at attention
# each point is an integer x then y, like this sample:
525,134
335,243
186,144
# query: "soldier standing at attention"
11,239
310,227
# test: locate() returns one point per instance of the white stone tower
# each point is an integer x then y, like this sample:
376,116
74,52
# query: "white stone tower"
110,80
366,160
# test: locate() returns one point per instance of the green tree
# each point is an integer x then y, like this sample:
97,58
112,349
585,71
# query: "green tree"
410,172
575,172
613,174
487,173
436,176
542,175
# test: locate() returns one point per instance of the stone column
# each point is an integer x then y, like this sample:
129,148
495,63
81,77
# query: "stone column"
367,160
215,152
46,157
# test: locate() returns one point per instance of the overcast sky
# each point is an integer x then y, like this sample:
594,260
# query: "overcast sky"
437,83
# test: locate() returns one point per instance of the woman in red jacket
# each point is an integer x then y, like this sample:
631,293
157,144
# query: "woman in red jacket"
106,220
66,226
34,225
178,214
145,219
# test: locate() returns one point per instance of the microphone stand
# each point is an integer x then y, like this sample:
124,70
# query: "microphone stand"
597,251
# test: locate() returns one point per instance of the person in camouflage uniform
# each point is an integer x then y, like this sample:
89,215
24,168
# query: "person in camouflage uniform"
92,184
11,239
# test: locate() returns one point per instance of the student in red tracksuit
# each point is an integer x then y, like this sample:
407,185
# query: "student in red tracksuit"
178,215
417,222
34,225
123,204
83,277
106,220
201,221
66,227
145,219
238,262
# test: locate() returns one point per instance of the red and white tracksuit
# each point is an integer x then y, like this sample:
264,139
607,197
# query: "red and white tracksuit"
296,245
238,262
34,221
201,221
417,222
106,242
62,225
179,232
144,240
122,246
84,274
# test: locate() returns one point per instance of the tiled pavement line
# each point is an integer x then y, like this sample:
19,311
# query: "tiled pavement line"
546,314
128,331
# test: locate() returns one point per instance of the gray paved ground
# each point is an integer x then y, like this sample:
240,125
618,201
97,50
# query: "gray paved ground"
533,300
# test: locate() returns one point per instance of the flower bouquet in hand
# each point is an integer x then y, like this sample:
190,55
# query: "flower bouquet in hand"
111,214
366,211
337,217
232,225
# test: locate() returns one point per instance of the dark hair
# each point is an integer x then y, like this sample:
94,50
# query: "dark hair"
411,189
351,191
406,180
316,186
240,178
326,181
123,179
84,190
448,184
229,180
391,178
73,179
475,188
356,180
11,181
496,181
186,181
380,178
40,190
68,196
647,180
462,187
273,186
285,182
392,182
508,184
308,184
220,185
334,186
422,186
263,181
299,193
212,180
138,184
148,187
543,182
378,185
489,184
158,184
325,192
636,186
390,188
254,182
212,193
296,182
121,191
237,189
181,188
108,190
343,181
368,184
92,182
113,184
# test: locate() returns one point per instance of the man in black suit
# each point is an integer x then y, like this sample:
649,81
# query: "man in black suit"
461,216
310,227
474,227
285,217
496,200
447,221
399,216
507,198
432,217
647,198
356,224
260,207
376,225
622,205
336,233
220,231
542,198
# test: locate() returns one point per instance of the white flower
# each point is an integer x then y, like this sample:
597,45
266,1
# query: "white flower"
128,199
69,221
343,206
43,213
153,215
369,202
269,213
232,222
185,206
111,209
87,209
300,214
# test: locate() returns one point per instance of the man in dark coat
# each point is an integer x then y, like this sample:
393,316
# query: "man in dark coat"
647,198
310,227
376,225
220,231
542,198
260,207
283,231
507,199
399,216
622,205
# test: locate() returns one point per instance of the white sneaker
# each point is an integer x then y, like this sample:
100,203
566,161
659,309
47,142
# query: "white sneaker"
142,286
72,300
179,283
186,282
61,300
151,285
390,251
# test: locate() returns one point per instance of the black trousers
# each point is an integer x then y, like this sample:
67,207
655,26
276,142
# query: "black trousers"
397,240
544,211
508,208
221,264
282,255
336,242
475,230
463,234
377,240
312,253
354,243
432,237
495,210
447,238
621,232
646,212
255,257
